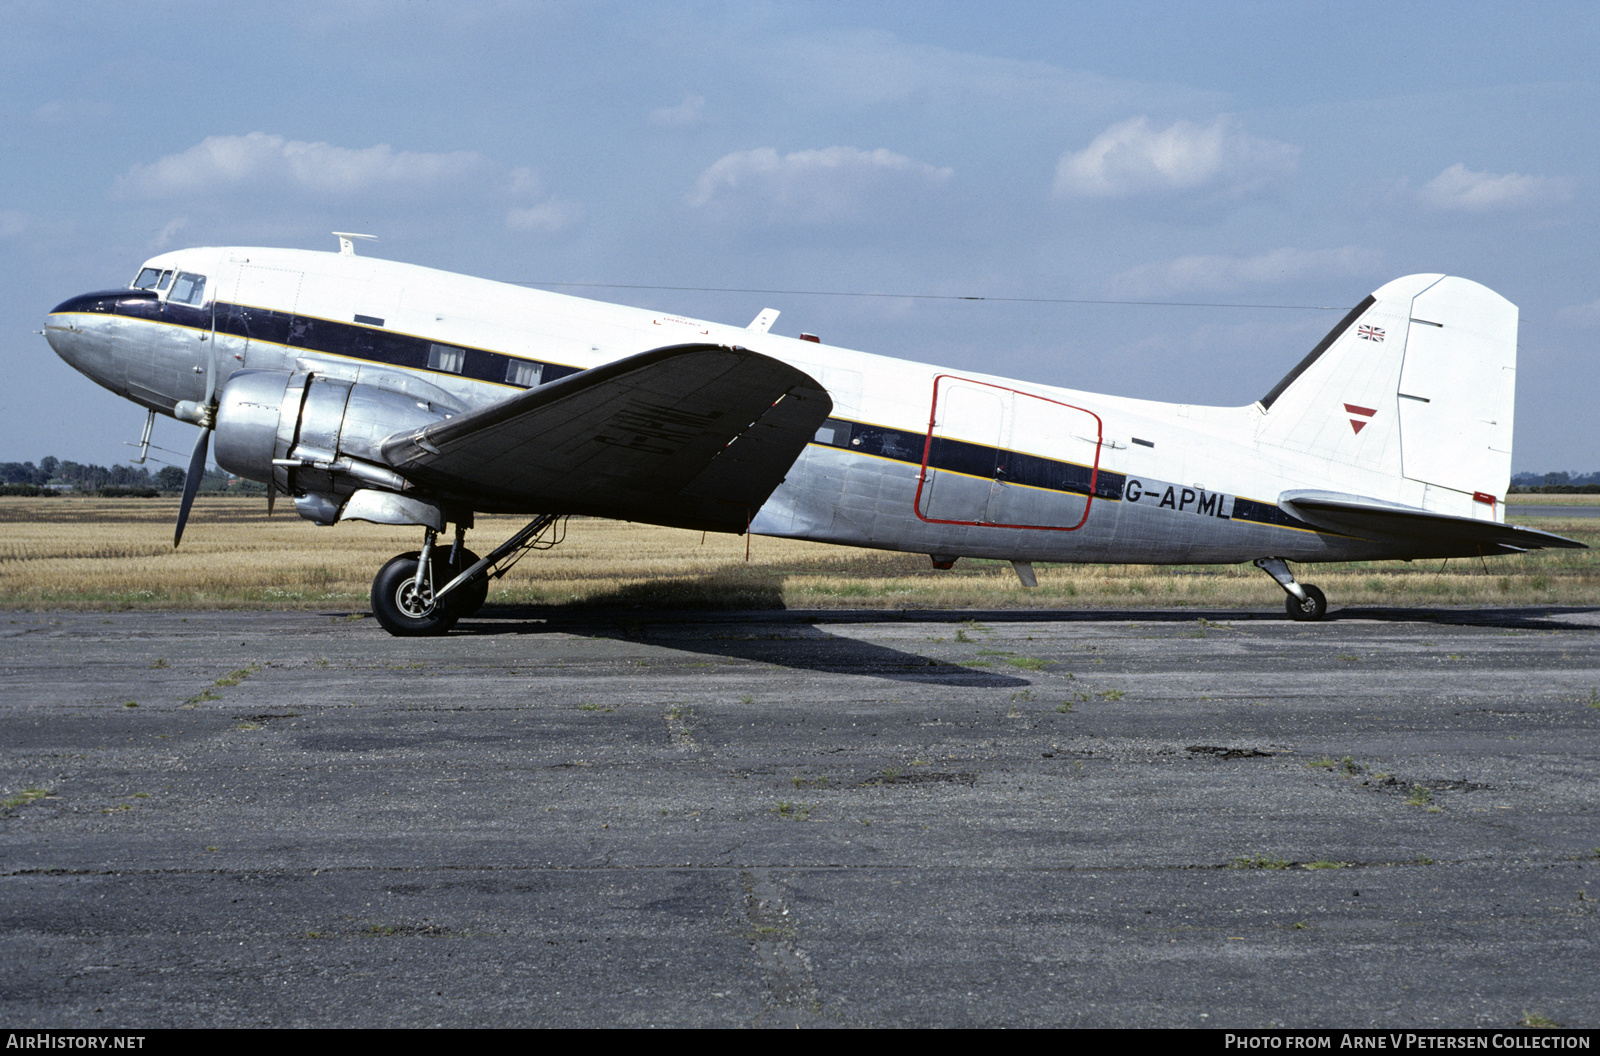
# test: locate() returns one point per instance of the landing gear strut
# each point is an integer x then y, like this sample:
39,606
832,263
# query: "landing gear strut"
426,591
1304,602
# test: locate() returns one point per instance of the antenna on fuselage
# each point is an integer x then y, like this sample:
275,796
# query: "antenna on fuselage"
347,248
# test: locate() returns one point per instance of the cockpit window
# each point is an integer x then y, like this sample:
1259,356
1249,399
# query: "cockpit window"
152,279
188,289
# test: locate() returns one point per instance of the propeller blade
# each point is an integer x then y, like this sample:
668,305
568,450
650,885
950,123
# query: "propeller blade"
191,482
202,446
272,497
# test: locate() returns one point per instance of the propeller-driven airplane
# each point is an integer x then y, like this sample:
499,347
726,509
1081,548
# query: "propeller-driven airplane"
373,390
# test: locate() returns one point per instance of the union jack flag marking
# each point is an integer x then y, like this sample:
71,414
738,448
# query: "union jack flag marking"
1370,333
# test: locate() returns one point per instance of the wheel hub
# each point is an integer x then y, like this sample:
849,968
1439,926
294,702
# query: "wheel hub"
415,603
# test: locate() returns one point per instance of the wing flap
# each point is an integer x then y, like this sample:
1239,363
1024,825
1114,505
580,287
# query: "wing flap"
694,436
1441,534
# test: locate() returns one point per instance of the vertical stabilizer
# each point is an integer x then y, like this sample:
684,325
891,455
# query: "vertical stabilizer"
1415,385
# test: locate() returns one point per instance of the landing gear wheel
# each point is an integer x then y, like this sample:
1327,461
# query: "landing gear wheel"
1313,608
465,601
403,609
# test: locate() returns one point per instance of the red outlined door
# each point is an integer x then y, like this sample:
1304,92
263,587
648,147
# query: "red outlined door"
1000,457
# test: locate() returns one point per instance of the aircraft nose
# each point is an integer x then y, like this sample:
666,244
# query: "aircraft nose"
79,330
64,330
102,301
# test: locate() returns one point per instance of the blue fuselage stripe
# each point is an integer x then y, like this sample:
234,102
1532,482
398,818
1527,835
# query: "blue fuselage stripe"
408,352
313,334
1016,467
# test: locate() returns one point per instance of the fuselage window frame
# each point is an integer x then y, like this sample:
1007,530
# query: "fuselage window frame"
523,372
193,289
158,279
446,358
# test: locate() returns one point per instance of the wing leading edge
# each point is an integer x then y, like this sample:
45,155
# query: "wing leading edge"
1436,534
691,436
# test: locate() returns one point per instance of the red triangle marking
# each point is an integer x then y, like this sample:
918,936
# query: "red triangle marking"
1367,412
1357,425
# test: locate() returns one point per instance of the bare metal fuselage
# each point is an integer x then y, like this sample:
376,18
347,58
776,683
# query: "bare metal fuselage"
913,457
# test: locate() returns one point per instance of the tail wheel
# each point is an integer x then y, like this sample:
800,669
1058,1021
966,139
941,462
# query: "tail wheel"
1313,608
405,609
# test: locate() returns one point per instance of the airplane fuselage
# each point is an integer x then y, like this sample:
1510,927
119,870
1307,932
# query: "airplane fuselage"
913,457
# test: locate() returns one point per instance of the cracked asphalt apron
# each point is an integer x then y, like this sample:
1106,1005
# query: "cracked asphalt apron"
852,818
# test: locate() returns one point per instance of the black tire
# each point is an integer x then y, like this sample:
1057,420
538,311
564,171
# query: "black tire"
403,611
469,599
1313,608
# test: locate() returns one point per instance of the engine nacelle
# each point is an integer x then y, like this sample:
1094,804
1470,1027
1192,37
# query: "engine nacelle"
309,435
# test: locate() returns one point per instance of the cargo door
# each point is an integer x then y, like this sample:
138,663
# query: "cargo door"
1005,458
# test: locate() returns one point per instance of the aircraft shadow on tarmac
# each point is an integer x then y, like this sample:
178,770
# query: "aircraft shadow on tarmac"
785,639
696,616
1526,618
744,620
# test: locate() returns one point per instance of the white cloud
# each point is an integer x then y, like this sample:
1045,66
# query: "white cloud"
1131,158
223,163
163,237
548,217
544,213
812,186
1215,274
1581,314
689,112
524,182
1458,187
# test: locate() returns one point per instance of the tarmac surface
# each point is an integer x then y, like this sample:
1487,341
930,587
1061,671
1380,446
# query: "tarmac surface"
1121,819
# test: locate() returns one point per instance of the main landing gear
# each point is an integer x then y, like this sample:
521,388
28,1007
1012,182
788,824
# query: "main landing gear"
1304,602
426,591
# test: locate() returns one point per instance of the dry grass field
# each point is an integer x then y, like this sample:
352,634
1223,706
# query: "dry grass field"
91,553
1541,499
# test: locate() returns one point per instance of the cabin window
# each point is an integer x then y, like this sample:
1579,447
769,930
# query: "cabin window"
521,372
446,357
188,289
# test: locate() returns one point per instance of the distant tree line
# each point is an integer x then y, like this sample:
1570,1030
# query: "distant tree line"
1556,483
52,475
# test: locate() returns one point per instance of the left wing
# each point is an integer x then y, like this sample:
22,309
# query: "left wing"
691,436
1435,534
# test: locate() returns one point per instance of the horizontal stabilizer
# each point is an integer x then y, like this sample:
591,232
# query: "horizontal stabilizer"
1454,536
693,436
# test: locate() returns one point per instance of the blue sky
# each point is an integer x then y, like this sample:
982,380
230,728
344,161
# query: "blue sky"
1225,153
